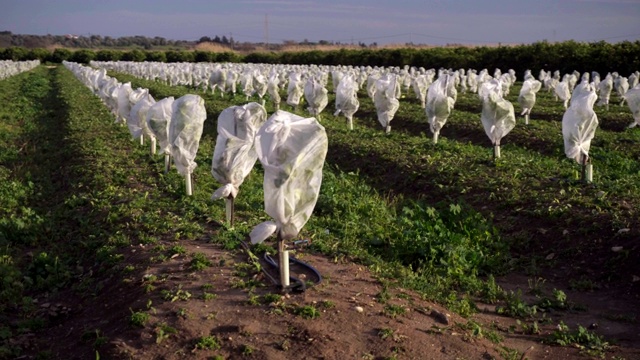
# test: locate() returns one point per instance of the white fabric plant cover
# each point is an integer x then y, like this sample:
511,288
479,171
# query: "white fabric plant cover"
123,109
497,117
139,115
579,123
295,89
347,97
562,91
633,101
292,150
235,154
604,87
185,129
260,84
527,97
316,95
420,84
132,122
371,84
385,100
439,103
158,120
273,90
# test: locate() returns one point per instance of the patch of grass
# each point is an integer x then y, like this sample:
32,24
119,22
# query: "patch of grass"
515,307
207,343
199,262
393,310
176,295
138,318
307,312
585,340
163,332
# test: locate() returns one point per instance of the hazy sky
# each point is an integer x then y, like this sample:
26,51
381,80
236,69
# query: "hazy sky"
367,21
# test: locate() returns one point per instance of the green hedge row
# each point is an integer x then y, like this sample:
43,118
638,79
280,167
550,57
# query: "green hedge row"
623,57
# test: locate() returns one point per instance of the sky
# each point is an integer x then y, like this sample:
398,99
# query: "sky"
434,22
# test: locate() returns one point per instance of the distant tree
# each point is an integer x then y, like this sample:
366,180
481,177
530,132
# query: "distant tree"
157,56
225,40
15,53
59,55
204,39
217,39
38,54
82,56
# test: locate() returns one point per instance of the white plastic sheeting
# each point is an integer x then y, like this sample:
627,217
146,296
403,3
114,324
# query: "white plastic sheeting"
385,101
132,122
527,97
292,150
316,95
139,114
633,101
187,120
159,119
497,117
579,124
347,98
441,97
234,154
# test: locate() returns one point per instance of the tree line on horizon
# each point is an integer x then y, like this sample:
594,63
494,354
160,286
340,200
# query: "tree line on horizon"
623,57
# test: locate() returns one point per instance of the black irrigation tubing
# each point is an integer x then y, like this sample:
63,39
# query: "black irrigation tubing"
297,285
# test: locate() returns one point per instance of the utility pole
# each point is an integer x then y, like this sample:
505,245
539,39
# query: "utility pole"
266,30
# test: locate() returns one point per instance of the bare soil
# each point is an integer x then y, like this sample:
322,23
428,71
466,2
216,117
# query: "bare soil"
352,323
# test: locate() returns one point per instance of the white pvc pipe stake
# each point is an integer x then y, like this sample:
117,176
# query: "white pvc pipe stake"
188,184
284,268
387,130
496,151
589,172
435,137
526,119
350,121
153,145
141,139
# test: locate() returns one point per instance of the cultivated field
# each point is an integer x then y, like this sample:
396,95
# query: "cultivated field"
427,250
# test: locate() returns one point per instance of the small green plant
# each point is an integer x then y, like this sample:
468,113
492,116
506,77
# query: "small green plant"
529,329
385,333
582,338
183,313
177,250
164,331
247,350
207,343
138,318
271,298
208,296
516,307
394,310
327,304
536,286
199,262
307,312
176,295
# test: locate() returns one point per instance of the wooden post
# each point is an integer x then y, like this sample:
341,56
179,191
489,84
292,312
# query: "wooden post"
167,163
229,202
